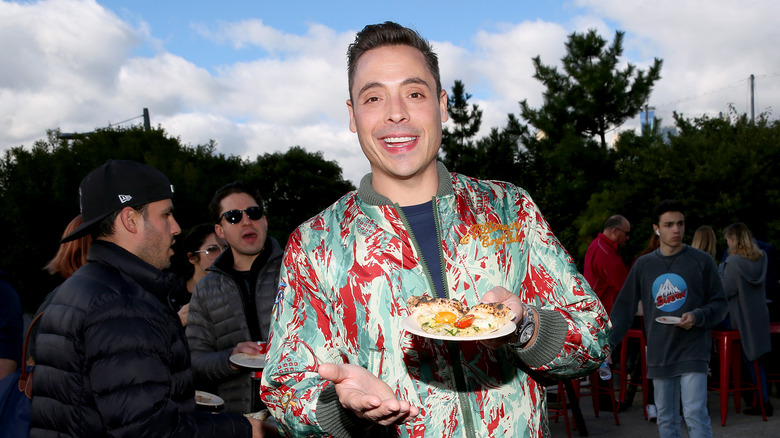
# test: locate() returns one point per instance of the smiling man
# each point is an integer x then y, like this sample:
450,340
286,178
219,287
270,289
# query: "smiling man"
340,361
230,310
111,359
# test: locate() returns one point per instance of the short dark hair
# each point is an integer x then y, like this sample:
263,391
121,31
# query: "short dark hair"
105,227
666,206
227,190
196,236
389,33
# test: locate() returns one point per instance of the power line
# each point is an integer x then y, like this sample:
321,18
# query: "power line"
717,90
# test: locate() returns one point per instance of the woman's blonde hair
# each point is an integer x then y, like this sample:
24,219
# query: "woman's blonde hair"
742,242
705,240
70,255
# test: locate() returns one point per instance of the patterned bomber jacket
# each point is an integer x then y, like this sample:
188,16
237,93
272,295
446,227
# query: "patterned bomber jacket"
345,279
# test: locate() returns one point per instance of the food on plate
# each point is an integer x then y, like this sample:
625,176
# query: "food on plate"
441,316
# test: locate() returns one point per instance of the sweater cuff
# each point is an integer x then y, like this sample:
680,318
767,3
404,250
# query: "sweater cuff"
549,341
335,420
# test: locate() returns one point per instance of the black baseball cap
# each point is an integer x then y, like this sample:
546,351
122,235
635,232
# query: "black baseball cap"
114,186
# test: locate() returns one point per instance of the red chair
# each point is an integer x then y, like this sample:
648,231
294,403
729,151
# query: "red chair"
728,348
638,336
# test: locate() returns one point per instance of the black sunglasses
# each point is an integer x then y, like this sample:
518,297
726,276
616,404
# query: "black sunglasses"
235,216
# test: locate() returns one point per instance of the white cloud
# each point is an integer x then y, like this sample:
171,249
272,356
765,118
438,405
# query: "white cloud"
73,64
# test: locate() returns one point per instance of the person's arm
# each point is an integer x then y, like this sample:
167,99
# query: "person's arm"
571,323
573,327
625,306
130,376
208,363
715,306
306,384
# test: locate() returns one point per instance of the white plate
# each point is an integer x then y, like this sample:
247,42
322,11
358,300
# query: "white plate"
208,399
412,326
248,360
668,319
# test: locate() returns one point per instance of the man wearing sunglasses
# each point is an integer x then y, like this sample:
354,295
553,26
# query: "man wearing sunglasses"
230,310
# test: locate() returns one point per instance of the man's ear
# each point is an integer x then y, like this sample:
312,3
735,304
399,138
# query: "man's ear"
352,124
130,219
219,231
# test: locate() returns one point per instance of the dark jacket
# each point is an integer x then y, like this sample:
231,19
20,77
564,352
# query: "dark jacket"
216,323
744,284
112,361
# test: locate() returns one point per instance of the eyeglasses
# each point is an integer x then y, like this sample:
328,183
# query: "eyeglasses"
235,216
212,251
627,232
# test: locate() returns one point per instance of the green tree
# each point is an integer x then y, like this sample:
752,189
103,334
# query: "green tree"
457,145
591,95
296,185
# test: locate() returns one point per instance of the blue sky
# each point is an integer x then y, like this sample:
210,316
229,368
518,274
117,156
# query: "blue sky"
259,76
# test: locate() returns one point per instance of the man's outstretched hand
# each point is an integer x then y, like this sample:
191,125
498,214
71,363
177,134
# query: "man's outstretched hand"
367,395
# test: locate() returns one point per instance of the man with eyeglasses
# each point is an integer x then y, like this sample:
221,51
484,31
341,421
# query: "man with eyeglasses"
111,359
605,269
230,310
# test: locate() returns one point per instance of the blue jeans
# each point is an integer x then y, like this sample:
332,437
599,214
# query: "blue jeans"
692,387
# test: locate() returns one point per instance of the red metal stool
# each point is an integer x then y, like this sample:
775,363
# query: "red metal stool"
728,346
594,392
561,410
637,335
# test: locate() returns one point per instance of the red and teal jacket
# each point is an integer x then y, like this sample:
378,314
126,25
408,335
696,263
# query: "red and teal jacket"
345,279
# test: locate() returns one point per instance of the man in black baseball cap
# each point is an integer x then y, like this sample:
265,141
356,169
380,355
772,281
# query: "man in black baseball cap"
110,358
115,185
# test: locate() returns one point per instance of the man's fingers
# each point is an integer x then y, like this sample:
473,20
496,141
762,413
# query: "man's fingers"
330,371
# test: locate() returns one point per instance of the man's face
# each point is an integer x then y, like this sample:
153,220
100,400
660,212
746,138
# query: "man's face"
396,112
157,234
622,233
247,237
671,227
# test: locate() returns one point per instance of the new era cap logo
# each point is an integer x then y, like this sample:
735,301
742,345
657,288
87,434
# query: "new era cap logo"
125,198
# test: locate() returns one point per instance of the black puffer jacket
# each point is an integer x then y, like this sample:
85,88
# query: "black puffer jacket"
217,323
112,361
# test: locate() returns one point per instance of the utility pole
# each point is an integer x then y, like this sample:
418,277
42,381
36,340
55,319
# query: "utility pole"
147,123
752,98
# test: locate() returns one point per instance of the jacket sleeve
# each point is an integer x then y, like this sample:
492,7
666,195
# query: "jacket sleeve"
625,306
208,363
573,333
715,306
291,387
131,380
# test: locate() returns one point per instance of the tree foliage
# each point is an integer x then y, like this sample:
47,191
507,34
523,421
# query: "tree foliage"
457,146
39,190
592,95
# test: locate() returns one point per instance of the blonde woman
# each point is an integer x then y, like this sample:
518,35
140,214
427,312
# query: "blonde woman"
744,276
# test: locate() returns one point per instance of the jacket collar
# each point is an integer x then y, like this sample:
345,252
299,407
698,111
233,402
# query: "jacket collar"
370,196
151,279
224,262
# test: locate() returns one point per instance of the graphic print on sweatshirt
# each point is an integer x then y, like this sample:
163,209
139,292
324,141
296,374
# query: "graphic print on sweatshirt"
669,292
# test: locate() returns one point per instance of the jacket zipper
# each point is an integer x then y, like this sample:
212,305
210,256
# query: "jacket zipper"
452,346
